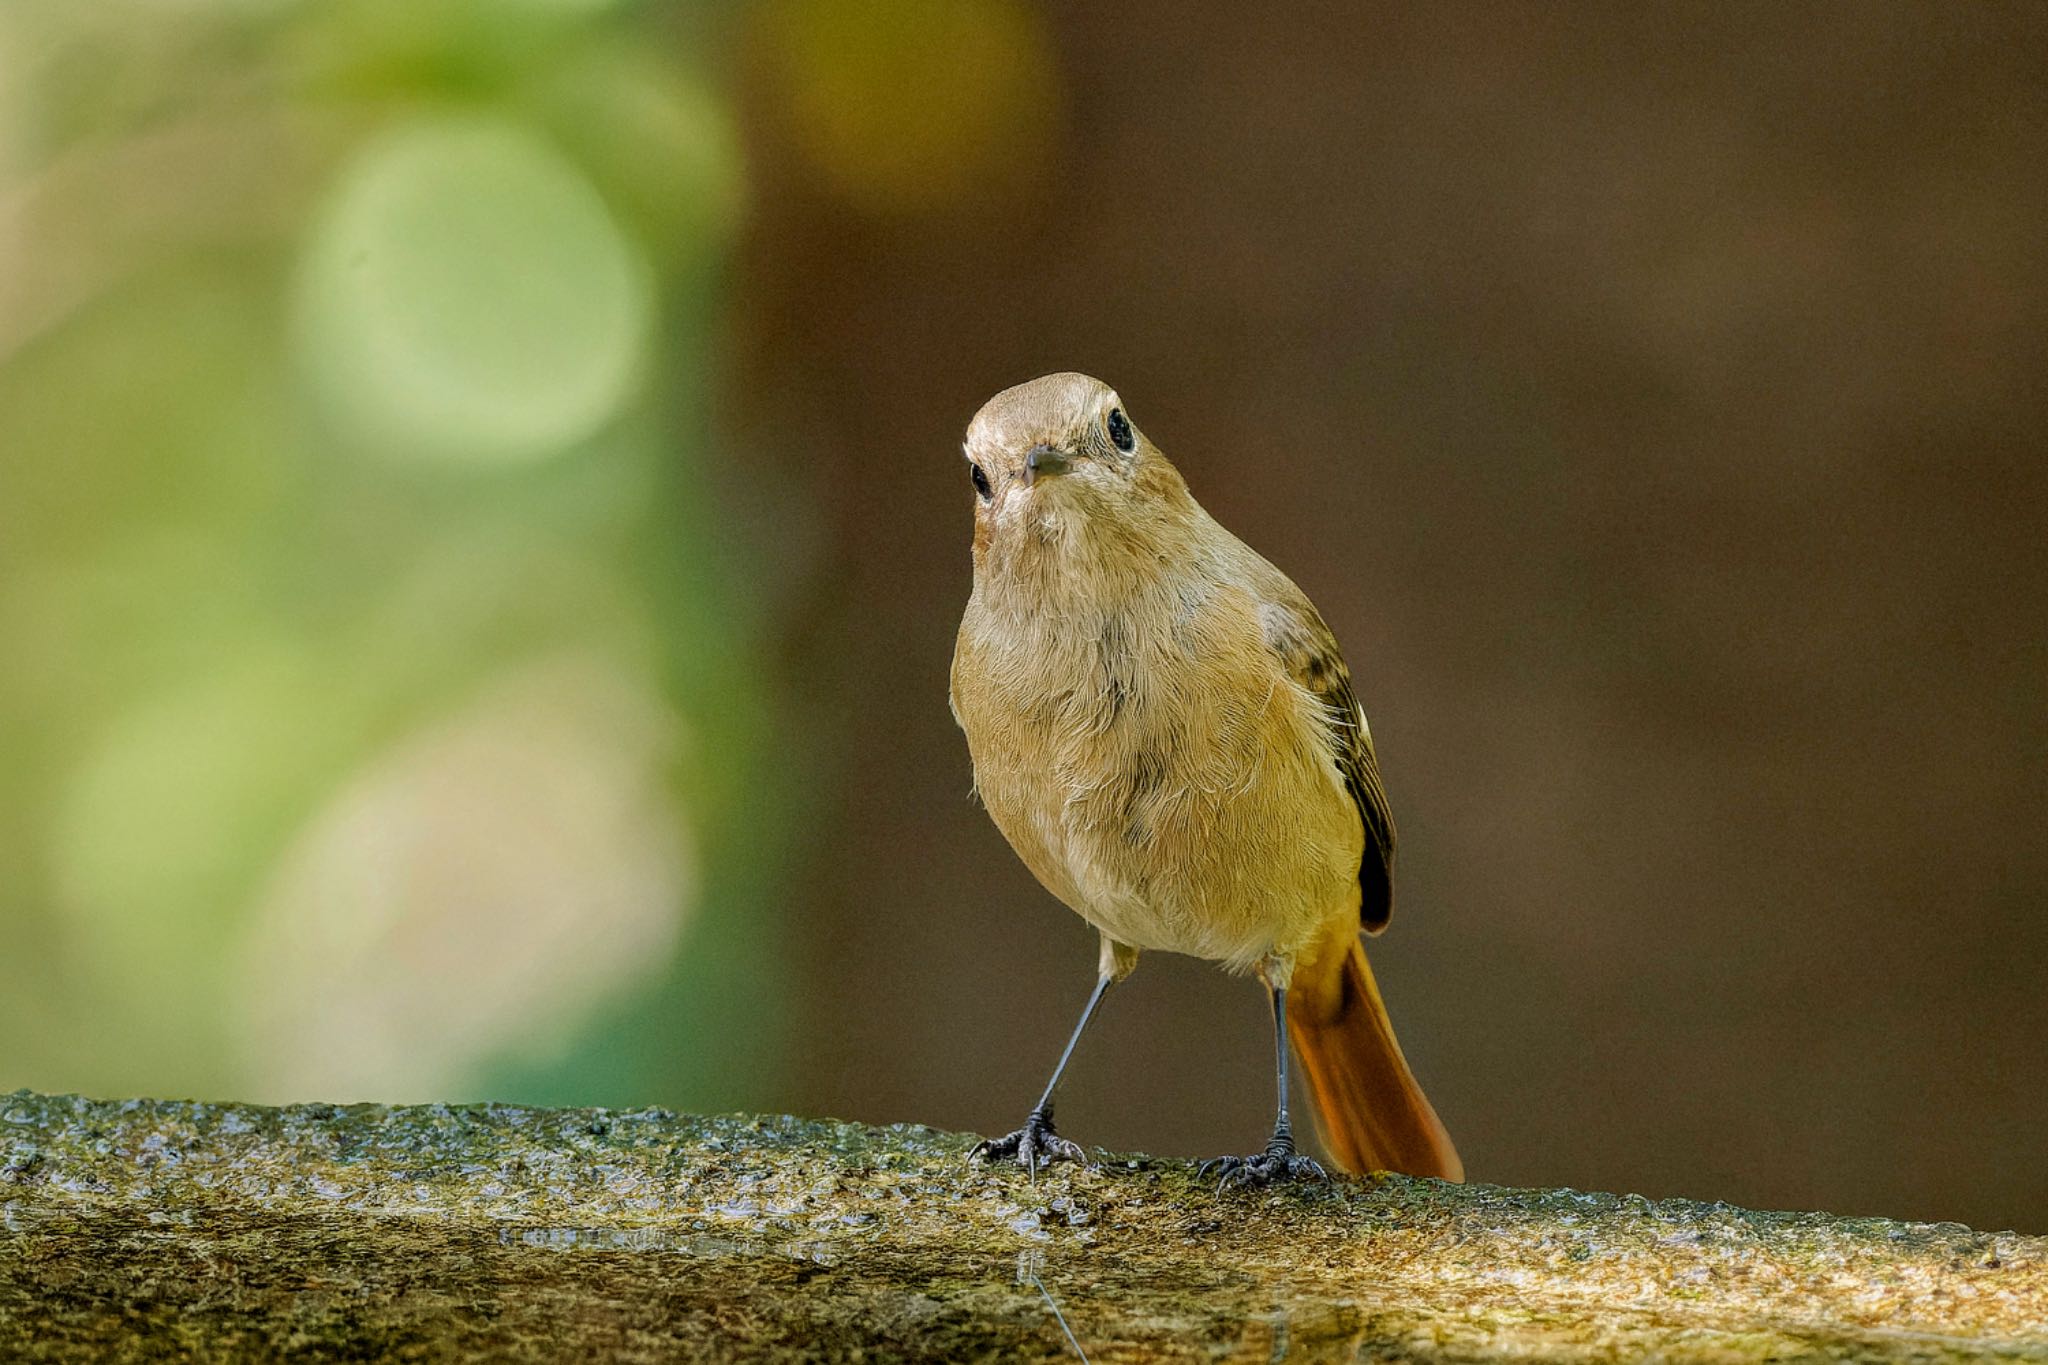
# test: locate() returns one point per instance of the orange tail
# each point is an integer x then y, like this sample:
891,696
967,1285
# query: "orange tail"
1371,1113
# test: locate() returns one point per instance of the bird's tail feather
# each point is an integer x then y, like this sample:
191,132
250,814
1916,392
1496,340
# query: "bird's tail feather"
1370,1112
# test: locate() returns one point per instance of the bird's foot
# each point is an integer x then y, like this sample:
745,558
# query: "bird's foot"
1032,1146
1277,1163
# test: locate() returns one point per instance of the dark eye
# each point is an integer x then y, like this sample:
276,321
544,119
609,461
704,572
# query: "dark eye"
980,483
1120,431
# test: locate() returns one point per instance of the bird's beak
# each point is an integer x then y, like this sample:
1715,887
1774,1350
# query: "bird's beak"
1045,460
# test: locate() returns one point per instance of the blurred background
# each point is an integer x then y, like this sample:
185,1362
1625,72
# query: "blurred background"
482,530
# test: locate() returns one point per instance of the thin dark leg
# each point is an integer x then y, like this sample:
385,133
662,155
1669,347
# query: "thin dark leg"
1279,1161
1283,1127
1036,1141
1102,984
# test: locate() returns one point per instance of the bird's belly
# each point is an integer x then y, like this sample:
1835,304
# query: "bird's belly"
1231,856
1170,925
1233,904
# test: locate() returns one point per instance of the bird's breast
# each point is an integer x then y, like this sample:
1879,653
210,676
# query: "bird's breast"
1159,773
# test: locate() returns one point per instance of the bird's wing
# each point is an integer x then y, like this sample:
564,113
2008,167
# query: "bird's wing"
1295,632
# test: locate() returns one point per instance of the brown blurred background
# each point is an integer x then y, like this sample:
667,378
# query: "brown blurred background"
1652,402
482,530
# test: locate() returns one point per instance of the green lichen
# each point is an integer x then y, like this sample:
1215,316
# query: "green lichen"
147,1228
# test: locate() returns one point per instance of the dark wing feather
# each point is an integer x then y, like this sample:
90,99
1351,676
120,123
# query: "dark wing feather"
1309,652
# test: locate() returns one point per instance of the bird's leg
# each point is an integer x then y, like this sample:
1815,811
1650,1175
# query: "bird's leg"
1036,1144
1279,1161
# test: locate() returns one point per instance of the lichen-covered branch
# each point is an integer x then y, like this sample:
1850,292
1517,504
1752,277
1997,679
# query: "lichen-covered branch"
141,1229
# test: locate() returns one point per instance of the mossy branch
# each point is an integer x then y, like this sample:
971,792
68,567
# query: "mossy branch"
142,1228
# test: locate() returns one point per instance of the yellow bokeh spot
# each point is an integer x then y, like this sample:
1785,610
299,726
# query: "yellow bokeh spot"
156,834
474,891
902,105
467,296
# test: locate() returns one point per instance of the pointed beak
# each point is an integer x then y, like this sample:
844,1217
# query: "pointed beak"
1044,460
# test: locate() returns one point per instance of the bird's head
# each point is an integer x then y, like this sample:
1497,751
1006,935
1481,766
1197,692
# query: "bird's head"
1058,458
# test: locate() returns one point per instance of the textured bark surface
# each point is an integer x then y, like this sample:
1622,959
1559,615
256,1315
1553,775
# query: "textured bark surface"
141,1229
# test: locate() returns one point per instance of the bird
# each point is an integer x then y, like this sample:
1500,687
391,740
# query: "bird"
1163,728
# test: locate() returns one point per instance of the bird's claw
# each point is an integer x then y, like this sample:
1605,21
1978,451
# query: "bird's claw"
1032,1146
1277,1163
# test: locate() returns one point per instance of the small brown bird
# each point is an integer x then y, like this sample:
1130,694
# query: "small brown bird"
1163,729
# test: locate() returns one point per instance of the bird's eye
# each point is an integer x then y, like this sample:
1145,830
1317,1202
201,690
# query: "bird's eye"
981,483
1120,434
